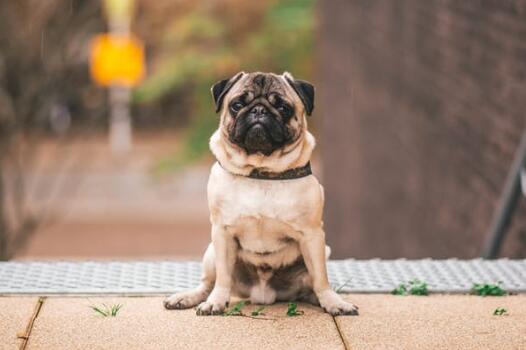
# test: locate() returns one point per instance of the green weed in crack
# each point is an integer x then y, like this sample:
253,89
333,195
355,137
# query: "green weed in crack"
236,309
292,310
413,287
339,288
258,311
500,311
488,289
107,311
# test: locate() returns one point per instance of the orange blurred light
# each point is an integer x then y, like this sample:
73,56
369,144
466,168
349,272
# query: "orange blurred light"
117,59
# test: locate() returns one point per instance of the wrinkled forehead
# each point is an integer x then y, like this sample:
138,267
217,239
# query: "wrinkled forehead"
263,85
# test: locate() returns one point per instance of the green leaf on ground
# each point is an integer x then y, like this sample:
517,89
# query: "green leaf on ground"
413,287
400,290
500,311
236,309
293,310
258,311
488,289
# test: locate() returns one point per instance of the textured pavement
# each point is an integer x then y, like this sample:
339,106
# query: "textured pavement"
435,322
15,314
385,322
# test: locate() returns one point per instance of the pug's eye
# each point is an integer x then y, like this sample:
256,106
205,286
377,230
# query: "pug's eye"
236,107
283,109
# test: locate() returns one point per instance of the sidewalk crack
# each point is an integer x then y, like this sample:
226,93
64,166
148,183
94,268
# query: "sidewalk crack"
25,335
342,337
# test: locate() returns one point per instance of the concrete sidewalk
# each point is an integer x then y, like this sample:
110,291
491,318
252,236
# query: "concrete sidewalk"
385,322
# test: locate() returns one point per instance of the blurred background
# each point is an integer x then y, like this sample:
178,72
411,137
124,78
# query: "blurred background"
419,112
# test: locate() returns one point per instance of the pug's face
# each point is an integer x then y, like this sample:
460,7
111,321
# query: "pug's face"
263,112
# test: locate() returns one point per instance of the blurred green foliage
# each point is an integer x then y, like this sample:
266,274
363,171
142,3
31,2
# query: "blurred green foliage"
206,45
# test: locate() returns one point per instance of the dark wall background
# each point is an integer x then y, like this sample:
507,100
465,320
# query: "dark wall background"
423,106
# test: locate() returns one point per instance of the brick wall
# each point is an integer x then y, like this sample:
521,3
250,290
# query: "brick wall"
423,104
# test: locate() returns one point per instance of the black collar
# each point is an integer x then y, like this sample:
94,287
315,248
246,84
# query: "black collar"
289,174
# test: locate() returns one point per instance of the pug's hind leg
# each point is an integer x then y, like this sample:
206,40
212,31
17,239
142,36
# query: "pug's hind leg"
191,298
309,297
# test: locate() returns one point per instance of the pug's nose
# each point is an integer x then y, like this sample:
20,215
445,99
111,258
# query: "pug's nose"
259,110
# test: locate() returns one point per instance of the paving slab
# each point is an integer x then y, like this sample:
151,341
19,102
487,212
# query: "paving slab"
143,323
15,313
435,322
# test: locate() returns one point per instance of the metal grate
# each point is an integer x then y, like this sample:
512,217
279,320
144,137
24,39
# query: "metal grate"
163,277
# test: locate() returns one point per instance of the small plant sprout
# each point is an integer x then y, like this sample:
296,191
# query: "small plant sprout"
417,287
400,290
236,309
413,287
292,310
258,311
107,311
339,288
500,311
488,289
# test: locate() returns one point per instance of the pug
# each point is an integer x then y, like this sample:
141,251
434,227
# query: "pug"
268,242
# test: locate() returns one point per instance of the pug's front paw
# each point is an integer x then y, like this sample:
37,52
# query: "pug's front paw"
334,304
215,304
185,300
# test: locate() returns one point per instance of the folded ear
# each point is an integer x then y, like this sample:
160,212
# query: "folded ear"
221,88
304,89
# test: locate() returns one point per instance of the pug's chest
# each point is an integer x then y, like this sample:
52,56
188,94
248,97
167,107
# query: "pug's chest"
261,235
261,220
262,208
255,207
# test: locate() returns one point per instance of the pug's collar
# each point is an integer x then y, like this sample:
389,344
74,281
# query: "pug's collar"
290,174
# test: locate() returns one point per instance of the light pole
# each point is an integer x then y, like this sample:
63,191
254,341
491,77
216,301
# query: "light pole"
117,61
